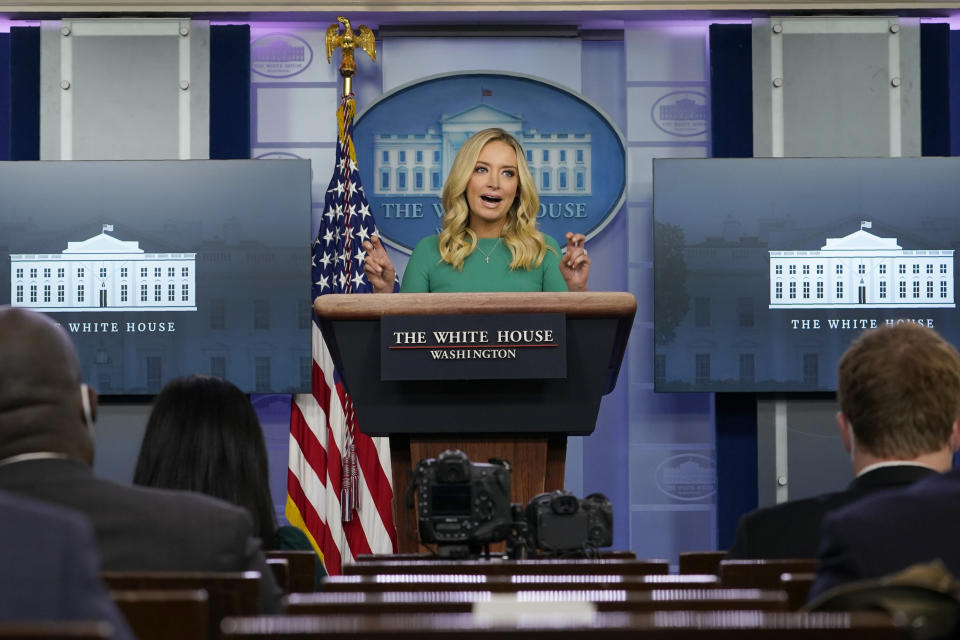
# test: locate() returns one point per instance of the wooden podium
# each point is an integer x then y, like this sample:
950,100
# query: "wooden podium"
524,421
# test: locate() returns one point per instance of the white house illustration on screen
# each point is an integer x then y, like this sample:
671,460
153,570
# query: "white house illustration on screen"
861,270
417,163
103,273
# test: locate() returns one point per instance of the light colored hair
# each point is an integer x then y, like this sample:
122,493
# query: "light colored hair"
526,243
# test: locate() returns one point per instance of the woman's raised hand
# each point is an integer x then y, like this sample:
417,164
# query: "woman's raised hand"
574,263
377,266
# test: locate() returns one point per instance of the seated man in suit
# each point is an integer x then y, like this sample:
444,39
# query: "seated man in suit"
889,531
46,452
50,567
899,394
886,533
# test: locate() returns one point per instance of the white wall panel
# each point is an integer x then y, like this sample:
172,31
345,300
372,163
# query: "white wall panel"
321,164
409,59
665,65
296,115
646,123
640,167
666,52
298,40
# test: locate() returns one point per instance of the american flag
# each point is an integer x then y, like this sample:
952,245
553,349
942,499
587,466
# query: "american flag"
339,480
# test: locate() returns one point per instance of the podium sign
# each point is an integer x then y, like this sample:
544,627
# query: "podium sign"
473,347
595,330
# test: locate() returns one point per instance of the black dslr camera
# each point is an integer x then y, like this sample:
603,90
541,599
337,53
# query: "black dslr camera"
558,523
462,504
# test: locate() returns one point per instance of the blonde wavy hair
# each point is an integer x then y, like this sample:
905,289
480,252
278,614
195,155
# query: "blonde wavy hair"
526,243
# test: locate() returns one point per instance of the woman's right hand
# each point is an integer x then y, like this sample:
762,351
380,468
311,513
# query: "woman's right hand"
377,266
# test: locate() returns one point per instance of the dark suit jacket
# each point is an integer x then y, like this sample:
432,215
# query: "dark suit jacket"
886,533
49,566
145,529
792,529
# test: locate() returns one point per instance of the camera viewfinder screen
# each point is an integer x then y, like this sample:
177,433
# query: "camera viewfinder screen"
451,499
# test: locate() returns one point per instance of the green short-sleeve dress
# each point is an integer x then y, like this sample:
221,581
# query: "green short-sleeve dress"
426,272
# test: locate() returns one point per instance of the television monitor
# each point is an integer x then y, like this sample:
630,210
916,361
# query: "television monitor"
765,269
160,269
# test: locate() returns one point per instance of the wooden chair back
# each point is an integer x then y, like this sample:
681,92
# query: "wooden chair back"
511,567
280,568
302,568
664,625
761,574
163,614
228,593
604,554
511,584
701,562
56,630
423,602
797,587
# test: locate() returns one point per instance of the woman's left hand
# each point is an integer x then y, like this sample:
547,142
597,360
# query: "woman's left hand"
574,263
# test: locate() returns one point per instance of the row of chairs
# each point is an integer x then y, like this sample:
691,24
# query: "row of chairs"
626,567
761,574
182,605
664,625
431,599
422,602
191,606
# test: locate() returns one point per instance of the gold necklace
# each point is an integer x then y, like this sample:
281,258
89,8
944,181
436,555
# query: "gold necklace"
486,254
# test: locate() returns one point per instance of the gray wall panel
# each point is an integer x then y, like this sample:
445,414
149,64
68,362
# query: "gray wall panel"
836,87
826,87
125,89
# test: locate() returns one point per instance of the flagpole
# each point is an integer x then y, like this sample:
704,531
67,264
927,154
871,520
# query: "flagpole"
347,40
323,430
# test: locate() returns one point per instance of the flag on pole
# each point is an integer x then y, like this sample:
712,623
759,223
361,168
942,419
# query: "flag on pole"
866,224
339,480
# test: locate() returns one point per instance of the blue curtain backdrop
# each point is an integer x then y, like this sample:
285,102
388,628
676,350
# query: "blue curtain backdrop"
24,81
731,109
4,96
229,92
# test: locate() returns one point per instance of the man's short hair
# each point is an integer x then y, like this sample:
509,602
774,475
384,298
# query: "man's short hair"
899,388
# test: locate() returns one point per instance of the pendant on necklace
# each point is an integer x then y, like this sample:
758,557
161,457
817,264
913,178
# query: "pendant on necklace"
486,255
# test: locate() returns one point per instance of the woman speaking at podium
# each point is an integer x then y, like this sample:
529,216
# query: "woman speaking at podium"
489,240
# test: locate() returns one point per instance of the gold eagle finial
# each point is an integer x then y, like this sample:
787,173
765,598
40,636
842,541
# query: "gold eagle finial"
348,40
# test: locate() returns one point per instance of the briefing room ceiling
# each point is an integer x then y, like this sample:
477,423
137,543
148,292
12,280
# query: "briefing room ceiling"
434,12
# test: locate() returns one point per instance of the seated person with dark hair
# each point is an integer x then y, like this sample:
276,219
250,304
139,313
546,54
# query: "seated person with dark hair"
46,453
899,393
204,435
50,567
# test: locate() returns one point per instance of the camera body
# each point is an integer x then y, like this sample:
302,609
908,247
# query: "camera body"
461,502
558,522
